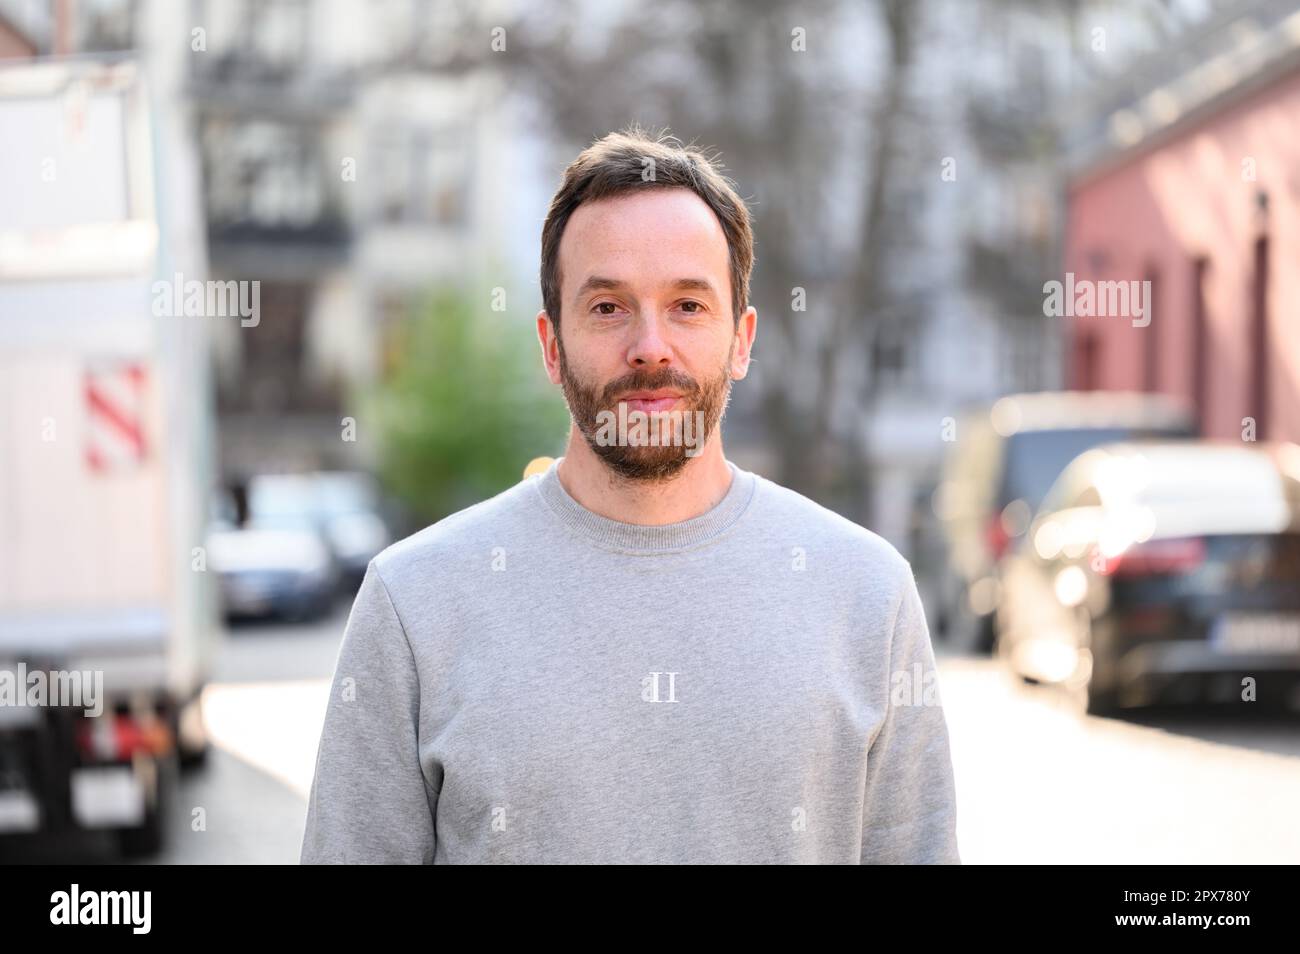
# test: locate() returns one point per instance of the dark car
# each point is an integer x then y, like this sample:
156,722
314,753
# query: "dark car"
1003,460
263,572
343,507
1162,572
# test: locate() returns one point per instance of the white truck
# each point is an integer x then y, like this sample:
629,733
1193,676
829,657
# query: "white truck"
105,464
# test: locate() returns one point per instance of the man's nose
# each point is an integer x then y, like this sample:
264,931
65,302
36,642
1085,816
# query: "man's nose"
650,346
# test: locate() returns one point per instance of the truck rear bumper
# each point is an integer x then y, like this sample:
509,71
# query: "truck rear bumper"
102,797
63,772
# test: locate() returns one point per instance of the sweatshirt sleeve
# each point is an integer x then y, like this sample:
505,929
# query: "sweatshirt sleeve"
909,809
369,800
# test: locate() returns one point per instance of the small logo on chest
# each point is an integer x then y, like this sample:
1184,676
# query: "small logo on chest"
650,687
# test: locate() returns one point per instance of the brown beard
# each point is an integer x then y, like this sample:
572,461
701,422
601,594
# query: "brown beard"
648,463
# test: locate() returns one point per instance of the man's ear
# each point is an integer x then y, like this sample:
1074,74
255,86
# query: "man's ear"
549,338
746,331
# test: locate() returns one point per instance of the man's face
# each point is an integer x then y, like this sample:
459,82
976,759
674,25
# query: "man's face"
647,321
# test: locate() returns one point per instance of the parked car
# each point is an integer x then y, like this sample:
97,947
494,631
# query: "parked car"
1002,462
286,572
1161,572
342,506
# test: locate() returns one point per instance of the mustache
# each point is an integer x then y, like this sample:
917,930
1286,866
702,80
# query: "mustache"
669,378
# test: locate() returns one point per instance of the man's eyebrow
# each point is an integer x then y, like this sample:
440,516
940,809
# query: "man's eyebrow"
695,284
601,283
598,283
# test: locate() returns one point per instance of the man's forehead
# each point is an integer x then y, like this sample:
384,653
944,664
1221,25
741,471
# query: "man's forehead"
658,224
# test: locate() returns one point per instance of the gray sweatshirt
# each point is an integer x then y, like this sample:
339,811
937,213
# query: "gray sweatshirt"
529,681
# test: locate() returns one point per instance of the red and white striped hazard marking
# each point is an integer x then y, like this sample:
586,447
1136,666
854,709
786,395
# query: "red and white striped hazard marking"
115,404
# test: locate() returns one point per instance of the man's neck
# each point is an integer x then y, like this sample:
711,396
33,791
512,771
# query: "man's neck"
696,489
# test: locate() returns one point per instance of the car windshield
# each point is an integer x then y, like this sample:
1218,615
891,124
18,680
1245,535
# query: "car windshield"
294,500
1036,458
281,502
339,495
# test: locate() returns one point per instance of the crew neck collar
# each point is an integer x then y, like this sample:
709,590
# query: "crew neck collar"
646,538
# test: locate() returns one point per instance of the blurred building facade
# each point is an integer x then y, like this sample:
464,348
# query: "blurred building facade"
1187,177
997,84
983,189
347,162
350,163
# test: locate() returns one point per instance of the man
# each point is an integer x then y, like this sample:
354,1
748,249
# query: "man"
645,653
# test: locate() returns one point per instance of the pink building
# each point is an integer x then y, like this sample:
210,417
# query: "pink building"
1203,201
14,43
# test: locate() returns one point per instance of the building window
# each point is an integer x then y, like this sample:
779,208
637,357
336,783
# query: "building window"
1259,409
1200,342
1087,363
890,358
426,177
1151,333
266,174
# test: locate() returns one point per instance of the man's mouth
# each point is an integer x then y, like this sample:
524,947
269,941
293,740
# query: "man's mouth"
650,401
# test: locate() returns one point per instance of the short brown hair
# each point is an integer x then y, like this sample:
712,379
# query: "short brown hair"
616,165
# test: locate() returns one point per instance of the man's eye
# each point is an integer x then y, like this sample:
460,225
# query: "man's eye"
606,304
692,307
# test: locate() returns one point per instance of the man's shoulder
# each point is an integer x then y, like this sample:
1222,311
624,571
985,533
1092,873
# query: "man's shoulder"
789,514
473,530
